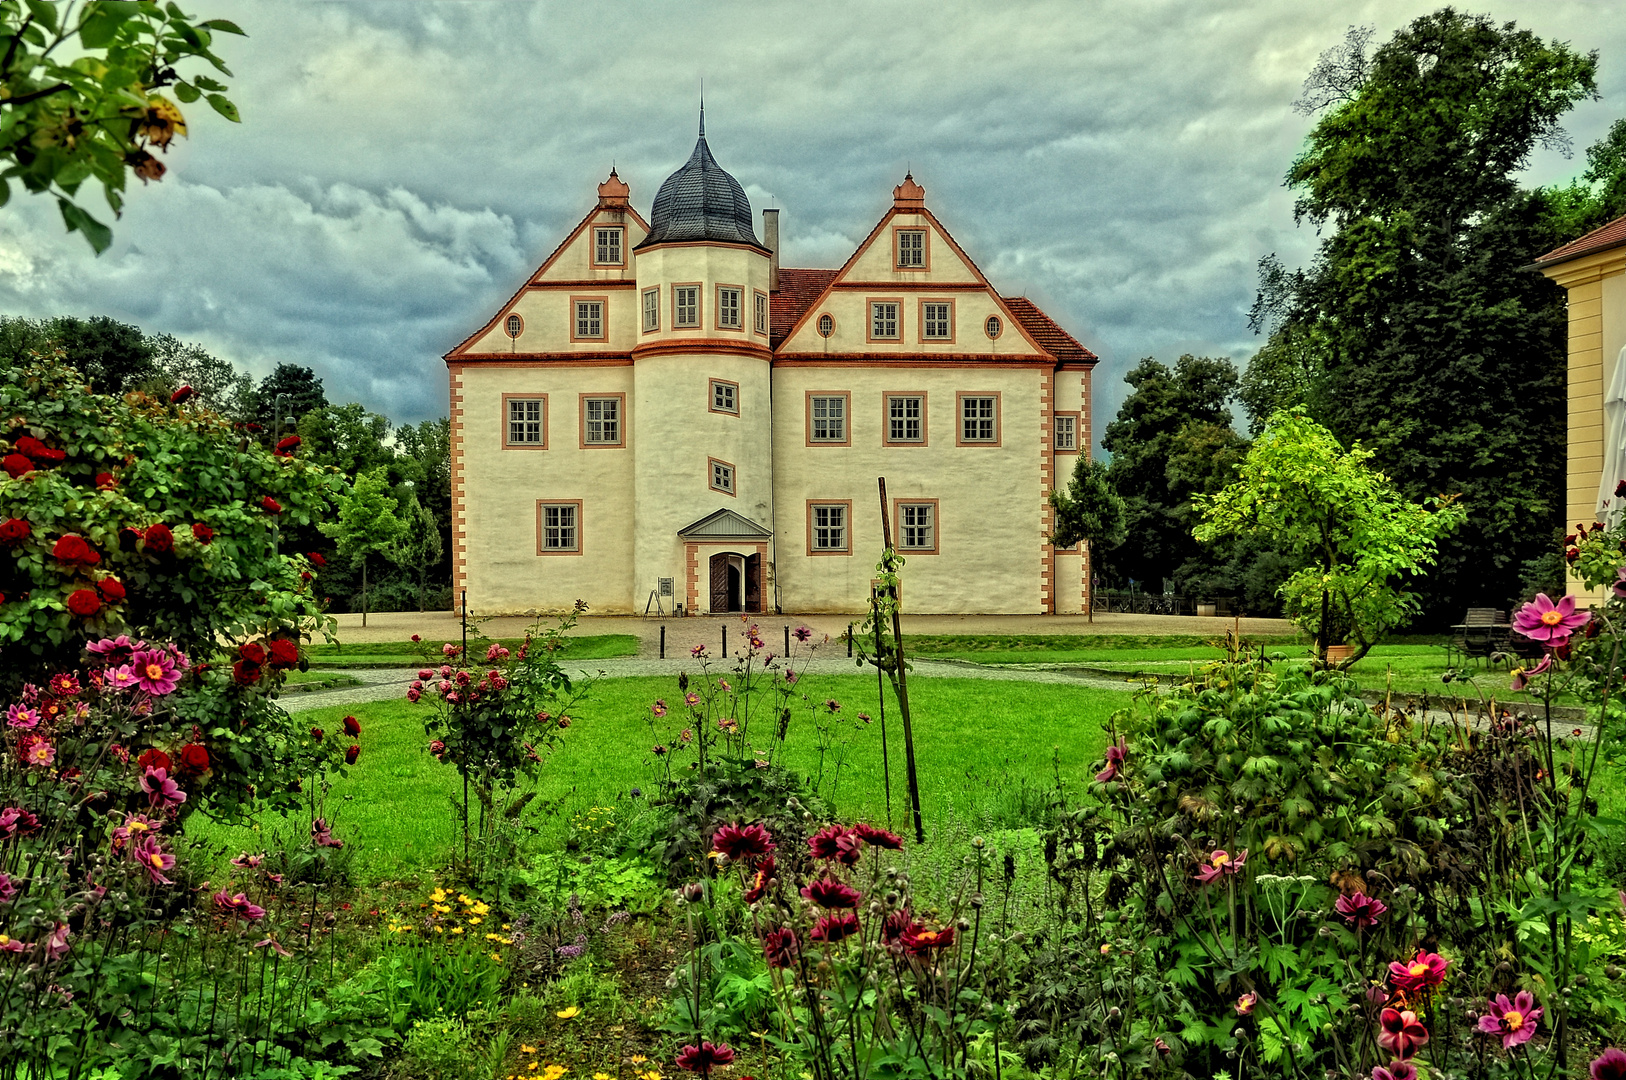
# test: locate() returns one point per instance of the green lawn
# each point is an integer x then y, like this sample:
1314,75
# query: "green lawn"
984,750
369,654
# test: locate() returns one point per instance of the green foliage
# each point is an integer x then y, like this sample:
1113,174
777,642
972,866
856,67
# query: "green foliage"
1088,509
1415,330
80,96
287,394
439,1049
366,523
1316,501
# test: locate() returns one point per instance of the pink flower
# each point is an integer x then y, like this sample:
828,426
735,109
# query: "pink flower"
155,672
705,1057
160,789
1395,1070
802,633
8,891
1115,759
1219,864
834,927
449,649
1245,1004
446,671
698,652
36,750
1424,972
413,694
322,834
1522,676
1543,620
659,708
691,699
56,945
496,652
15,821
245,861
426,674
114,650
744,844
1515,1021
723,685
21,716
273,944
1609,1065
153,859
1360,910
1620,582
1402,1033
878,837
64,684
238,907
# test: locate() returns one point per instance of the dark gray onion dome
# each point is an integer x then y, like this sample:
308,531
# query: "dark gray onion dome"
701,202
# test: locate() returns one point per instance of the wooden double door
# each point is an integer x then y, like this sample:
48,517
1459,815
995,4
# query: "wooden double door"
736,582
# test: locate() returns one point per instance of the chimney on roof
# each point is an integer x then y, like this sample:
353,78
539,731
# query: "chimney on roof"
909,195
613,192
770,240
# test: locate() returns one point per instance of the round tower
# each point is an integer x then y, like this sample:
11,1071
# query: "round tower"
701,395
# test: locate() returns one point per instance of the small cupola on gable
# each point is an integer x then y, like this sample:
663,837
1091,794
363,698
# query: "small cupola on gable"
909,195
614,193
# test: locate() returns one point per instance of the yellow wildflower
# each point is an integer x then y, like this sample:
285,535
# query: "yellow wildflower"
601,1076
482,908
566,1014
637,1059
554,1072
457,929
443,909
475,920
526,1049
497,957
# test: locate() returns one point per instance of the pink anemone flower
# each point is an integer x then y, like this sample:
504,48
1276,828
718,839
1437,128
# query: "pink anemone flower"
1423,972
1115,759
1543,620
155,671
1522,676
153,859
1402,1033
1395,1070
1220,864
1360,910
160,789
1515,1021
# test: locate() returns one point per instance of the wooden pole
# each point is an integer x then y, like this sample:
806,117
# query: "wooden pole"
1089,582
902,684
880,695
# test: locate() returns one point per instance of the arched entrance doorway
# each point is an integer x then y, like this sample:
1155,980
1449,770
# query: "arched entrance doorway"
736,582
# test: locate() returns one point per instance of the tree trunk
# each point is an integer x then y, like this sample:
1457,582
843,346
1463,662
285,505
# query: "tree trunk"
1089,583
364,590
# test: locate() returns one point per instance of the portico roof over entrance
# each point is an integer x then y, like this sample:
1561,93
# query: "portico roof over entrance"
724,524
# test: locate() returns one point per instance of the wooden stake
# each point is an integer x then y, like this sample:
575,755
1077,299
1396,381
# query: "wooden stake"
902,684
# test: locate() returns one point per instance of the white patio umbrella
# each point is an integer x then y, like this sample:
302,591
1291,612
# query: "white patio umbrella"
1614,445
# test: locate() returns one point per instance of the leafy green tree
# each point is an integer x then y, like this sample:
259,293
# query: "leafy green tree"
426,460
286,394
113,357
418,546
80,96
366,524
1088,511
217,384
1415,331
349,438
1363,541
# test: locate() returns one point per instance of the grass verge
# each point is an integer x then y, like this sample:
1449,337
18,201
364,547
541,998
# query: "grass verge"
406,653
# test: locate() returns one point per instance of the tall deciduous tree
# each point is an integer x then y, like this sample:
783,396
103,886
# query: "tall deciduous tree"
1088,511
366,524
1415,330
299,390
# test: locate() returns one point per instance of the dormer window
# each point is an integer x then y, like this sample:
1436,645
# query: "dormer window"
911,249
607,246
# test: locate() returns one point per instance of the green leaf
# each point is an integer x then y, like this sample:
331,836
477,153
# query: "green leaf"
44,13
98,235
102,24
187,92
225,108
203,82
223,25
5,191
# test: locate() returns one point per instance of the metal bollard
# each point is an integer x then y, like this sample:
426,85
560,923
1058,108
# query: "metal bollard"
849,641
725,641
663,641
787,641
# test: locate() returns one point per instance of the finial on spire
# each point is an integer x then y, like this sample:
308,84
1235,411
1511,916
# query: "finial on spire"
702,108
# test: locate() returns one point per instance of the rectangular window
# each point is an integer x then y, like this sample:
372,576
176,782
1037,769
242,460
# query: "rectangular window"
725,397
589,320
607,247
937,321
883,320
1066,432
905,418
827,528
911,249
722,476
652,309
917,526
728,308
979,419
527,421
827,418
558,528
686,305
601,421
760,319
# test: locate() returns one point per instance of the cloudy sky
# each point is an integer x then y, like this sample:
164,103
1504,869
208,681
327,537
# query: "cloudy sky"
402,166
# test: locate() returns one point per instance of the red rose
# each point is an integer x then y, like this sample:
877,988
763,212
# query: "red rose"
112,589
245,672
317,733
352,754
316,558
32,447
252,651
304,575
15,530
284,653
159,539
84,603
202,533
271,505
194,758
286,446
17,465
106,481
180,396
252,426
155,759
351,727
73,551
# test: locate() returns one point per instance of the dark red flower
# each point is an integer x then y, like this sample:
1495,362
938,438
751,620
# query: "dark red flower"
158,539
106,481
317,733
202,533
779,947
705,1057
918,941
830,893
194,758
834,927
17,465
742,844
84,602
180,396
245,672
896,923
1360,910
316,558
1611,1064
271,505
252,651
32,447
352,754
284,653
878,837
288,443
71,550
761,879
252,426
1402,1033
155,758
15,530
111,588
836,842
351,727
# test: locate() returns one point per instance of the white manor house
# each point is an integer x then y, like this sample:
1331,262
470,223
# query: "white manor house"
662,415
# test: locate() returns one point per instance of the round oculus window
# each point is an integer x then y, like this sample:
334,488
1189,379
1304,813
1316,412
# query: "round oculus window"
993,326
515,325
827,325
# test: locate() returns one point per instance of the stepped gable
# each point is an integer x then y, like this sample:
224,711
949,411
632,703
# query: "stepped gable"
1044,331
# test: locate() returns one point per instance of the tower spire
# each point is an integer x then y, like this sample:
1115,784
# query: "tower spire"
702,108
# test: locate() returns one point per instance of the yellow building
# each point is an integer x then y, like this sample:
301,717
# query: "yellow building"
664,416
1593,271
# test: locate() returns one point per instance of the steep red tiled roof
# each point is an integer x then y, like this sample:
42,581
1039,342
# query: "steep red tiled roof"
1052,338
796,293
1599,239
